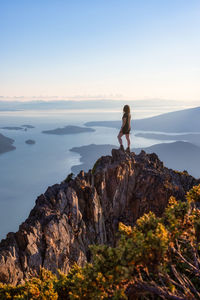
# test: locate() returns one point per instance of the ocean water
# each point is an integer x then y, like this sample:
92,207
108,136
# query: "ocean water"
26,172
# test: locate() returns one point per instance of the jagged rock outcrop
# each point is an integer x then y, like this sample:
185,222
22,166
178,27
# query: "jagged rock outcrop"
70,216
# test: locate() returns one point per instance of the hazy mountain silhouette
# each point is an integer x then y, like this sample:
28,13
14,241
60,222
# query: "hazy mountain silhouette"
193,138
187,120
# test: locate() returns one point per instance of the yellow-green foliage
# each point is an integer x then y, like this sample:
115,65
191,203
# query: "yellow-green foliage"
41,287
158,257
194,194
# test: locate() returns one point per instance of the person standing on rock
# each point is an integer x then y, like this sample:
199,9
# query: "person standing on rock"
126,128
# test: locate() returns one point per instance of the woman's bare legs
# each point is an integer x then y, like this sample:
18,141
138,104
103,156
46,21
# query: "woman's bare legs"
120,138
128,140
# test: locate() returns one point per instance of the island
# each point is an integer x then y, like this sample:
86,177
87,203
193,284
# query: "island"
6,144
28,126
30,142
69,130
89,155
12,128
22,127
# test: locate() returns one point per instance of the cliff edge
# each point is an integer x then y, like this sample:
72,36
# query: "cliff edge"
86,210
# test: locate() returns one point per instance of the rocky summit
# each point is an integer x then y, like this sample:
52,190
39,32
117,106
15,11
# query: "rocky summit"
86,210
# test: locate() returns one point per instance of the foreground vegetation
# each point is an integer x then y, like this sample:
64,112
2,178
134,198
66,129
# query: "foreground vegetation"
159,258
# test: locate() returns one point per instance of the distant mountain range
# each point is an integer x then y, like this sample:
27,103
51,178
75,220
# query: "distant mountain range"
187,120
86,104
193,138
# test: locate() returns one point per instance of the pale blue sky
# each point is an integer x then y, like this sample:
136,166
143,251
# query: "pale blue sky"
100,48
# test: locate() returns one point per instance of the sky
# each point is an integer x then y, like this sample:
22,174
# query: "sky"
116,49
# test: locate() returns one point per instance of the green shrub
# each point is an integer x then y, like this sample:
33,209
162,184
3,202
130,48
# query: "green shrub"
194,194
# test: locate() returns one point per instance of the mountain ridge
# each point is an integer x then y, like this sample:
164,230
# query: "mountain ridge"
178,155
85,210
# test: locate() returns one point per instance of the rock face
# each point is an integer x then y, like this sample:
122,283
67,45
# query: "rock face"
70,216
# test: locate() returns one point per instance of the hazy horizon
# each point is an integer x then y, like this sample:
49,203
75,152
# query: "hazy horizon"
23,99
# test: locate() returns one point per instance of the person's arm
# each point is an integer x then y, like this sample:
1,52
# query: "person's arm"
129,125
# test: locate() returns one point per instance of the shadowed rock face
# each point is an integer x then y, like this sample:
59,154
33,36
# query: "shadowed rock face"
70,216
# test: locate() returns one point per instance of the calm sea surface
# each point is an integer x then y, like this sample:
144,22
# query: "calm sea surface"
27,171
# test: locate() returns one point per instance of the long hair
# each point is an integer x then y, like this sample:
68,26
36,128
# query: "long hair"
126,109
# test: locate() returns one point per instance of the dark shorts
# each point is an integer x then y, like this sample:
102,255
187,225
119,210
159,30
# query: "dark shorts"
125,131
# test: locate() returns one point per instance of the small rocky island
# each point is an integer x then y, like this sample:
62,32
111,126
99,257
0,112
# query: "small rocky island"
12,128
6,144
30,142
28,126
69,130
22,127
